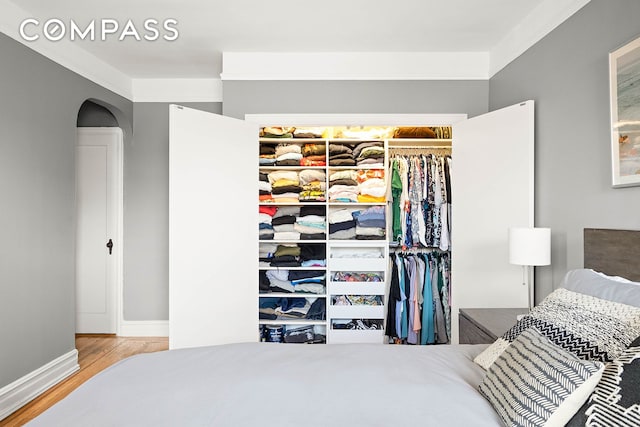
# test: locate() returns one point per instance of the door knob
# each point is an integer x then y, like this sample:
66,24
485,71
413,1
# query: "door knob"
110,245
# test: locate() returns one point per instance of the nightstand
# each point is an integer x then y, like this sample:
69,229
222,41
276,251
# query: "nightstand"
485,325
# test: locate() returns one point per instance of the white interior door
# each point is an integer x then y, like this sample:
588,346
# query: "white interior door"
97,213
213,233
493,189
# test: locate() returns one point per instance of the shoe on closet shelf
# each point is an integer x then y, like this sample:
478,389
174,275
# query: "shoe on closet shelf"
360,325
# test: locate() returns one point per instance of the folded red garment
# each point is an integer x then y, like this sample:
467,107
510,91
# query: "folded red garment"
269,210
306,162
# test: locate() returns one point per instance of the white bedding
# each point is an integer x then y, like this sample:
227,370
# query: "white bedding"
263,384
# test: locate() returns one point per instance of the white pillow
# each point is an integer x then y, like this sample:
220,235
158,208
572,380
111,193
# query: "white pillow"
616,278
599,285
535,383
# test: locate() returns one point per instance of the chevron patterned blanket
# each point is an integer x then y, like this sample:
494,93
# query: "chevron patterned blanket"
589,327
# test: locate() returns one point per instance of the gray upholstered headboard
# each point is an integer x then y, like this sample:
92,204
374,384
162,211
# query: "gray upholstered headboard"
613,252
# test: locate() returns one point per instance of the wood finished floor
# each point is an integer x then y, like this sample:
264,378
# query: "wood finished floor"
95,353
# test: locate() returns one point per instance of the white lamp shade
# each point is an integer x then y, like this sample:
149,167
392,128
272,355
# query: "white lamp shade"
530,246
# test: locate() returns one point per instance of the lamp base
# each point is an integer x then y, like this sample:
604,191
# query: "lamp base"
528,282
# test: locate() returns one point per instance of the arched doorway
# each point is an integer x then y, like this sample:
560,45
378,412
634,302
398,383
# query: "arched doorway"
99,206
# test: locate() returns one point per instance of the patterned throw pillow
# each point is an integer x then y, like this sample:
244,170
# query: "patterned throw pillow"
536,383
589,327
616,399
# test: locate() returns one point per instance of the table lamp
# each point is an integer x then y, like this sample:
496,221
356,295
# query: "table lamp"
529,247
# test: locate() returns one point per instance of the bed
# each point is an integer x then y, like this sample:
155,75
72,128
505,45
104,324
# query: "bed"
266,384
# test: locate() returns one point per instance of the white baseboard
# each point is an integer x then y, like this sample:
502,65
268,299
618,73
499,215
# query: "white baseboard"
25,389
144,328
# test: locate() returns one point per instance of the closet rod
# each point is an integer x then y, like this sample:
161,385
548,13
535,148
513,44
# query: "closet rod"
413,147
411,251
396,247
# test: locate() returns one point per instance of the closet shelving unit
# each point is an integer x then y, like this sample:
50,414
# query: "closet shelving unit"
292,323
335,313
352,262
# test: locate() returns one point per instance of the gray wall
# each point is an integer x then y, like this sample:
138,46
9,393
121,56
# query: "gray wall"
566,73
343,97
146,211
39,103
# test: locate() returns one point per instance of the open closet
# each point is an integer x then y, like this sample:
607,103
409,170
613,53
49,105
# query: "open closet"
293,238
328,218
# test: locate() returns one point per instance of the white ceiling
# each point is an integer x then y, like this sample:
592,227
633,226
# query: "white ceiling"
209,28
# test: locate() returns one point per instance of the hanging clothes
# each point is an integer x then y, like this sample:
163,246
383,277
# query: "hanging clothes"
421,201
405,291
396,192
401,311
440,322
428,309
393,299
418,306
412,335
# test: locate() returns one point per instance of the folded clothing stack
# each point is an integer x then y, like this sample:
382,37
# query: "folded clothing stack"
308,132
286,256
311,224
277,131
314,155
285,186
265,217
342,224
369,153
364,186
292,308
372,186
341,155
266,252
264,187
288,155
283,223
313,183
283,308
291,281
371,223
313,254
343,186
292,255
267,155
362,224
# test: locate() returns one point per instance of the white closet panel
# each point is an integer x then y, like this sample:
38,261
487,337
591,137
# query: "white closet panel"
493,189
213,236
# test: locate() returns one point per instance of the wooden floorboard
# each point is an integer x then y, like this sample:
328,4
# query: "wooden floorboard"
95,353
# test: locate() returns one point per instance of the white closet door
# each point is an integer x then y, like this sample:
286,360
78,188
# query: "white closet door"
213,229
98,207
492,187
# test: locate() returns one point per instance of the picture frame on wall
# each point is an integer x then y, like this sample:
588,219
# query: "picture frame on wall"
624,77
